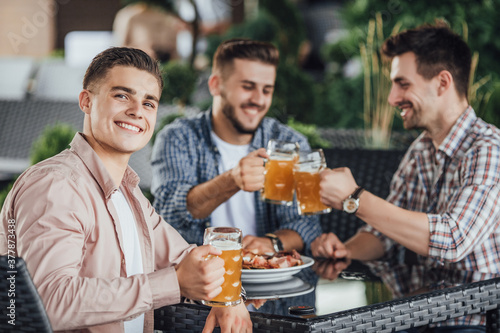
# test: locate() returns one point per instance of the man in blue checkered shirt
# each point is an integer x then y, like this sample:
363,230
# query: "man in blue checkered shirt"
208,170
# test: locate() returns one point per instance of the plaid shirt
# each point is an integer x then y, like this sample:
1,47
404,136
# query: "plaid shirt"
185,156
458,187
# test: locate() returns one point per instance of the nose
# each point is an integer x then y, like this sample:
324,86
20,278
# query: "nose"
395,96
134,109
258,97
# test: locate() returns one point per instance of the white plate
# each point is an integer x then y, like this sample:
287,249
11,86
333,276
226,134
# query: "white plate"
274,274
274,290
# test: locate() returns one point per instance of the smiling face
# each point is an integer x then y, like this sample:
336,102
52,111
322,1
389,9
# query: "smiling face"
242,99
120,111
416,97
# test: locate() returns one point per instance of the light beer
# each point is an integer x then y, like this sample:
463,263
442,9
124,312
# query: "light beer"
228,240
278,183
307,189
231,288
307,178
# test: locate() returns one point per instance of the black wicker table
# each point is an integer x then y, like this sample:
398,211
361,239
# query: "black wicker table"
446,297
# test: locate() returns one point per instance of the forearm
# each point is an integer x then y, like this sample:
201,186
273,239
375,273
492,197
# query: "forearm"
410,229
204,198
364,246
290,239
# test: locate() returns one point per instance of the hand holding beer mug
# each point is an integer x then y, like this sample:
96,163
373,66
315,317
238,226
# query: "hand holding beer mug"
306,175
278,182
228,240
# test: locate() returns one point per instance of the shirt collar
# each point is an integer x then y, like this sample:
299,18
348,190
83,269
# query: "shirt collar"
458,133
455,138
81,147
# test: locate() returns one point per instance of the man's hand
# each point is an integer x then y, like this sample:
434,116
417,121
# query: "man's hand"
261,244
200,277
230,319
329,246
330,269
335,186
249,173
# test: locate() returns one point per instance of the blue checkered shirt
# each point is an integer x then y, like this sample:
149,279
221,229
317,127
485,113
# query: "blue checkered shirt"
458,187
185,156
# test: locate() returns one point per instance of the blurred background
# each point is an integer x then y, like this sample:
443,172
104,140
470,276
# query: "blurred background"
331,85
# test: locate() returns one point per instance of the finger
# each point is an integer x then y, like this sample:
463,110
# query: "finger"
262,153
214,292
205,250
209,323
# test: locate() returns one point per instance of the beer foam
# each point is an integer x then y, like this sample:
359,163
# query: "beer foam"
281,157
226,245
308,168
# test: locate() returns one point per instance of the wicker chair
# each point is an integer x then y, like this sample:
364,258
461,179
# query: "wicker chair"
372,169
19,300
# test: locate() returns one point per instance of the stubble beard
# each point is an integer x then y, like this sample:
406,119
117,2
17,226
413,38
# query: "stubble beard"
229,111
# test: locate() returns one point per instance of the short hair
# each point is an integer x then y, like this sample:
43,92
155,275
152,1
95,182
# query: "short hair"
436,48
244,49
120,56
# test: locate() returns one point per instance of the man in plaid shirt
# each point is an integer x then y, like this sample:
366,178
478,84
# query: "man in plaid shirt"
443,203
208,170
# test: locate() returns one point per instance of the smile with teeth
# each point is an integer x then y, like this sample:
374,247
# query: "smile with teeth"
129,127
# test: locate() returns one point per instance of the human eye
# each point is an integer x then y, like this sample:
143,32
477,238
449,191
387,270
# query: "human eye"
268,91
120,96
150,105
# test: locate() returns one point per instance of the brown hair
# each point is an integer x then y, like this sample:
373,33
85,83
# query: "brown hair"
436,48
120,56
244,49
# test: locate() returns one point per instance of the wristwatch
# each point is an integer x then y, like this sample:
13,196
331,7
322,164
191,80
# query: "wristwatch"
351,204
277,244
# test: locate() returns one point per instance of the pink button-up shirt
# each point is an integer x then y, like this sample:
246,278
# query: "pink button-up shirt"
68,232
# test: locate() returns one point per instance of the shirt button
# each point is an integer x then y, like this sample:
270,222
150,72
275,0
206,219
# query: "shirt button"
123,262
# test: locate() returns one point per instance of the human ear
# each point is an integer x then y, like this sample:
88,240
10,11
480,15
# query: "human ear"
445,81
214,83
84,101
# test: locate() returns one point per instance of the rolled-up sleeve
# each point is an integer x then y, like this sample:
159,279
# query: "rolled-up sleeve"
473,212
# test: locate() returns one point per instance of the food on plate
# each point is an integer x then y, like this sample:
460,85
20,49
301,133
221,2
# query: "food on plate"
282,259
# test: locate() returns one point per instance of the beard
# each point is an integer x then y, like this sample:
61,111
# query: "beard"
229,111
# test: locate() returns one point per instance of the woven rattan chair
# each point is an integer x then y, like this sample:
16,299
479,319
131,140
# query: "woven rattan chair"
19,300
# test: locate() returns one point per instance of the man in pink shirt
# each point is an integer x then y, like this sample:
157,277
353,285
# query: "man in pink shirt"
99,255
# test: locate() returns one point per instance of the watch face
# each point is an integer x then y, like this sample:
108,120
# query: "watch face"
350,205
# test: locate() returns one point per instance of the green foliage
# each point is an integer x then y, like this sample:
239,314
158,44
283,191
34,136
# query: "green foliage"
167,5
491,113
295,95
263,28
4,192
341,103
292,30
52,141
481,17
179,82
311,133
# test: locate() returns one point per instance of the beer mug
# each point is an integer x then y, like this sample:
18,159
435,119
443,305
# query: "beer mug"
228,240
306,175
278,182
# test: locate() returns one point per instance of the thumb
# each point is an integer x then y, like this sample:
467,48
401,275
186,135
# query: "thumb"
205,250
261,152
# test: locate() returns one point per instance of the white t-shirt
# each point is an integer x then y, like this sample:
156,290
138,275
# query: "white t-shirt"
239,210
132,249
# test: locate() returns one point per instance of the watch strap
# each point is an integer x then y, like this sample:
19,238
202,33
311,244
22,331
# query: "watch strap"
357,192
277,244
